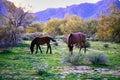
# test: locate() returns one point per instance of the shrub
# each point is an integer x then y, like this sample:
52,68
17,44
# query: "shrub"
25,37
74,59
9,37
87,43
98,59
42,69
29,36
5,51
106,45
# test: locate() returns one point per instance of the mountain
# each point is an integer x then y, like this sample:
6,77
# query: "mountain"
3,9
84,10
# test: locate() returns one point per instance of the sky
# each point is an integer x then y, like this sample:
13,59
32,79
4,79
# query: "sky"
39,5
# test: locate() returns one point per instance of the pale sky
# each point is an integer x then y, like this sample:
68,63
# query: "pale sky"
38,5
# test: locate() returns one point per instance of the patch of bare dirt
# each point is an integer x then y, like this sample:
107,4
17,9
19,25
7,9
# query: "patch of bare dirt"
88,70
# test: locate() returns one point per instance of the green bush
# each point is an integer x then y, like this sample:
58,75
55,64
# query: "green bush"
5,51
30,36
87,43
106,45
98,59
74,59
42,70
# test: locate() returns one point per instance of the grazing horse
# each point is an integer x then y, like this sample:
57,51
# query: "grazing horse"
78,38
40,41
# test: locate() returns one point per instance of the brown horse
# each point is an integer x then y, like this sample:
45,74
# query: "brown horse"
40,41
73,39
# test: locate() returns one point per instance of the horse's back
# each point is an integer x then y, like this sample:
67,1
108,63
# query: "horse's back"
78,37
41,40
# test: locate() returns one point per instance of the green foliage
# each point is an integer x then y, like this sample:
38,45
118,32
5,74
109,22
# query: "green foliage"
71,76
73,24
19,64
87,43
74,59
42,70
30,29
98,59
109,26
11,24
106,45
91,26
30,36
9,36
52,27
5,51
34,27
98,76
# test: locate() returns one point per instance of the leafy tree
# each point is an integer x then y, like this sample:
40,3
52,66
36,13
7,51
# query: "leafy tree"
104,32
91,27
115,23
109,26
74,24
52,27
35,27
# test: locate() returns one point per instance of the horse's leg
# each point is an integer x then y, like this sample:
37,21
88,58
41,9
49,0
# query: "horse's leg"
71,49
84,45
37,49
40,49
47,48
80,48
50,49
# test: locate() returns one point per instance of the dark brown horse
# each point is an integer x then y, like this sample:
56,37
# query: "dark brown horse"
40,41
78,38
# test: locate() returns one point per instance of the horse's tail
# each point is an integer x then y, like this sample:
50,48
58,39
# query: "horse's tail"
70,46
52,39
32,46
69,40
84,42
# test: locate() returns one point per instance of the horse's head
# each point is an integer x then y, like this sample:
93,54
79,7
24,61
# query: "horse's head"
31,49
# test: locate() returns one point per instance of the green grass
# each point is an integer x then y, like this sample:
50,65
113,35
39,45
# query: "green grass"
98,76
18,63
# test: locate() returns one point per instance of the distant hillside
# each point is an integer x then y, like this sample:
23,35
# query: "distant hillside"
85,10
2,8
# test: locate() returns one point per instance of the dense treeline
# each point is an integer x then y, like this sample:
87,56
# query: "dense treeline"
106,28
18,22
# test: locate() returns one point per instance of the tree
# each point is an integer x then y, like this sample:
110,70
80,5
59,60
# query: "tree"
109,26
115,23
52,27
91,27
74,24
35,27
104,31
11,21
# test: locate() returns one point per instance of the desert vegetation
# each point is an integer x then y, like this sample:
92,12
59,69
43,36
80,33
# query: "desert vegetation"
101,61
98,63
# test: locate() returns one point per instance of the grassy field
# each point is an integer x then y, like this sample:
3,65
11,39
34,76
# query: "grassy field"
18,64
